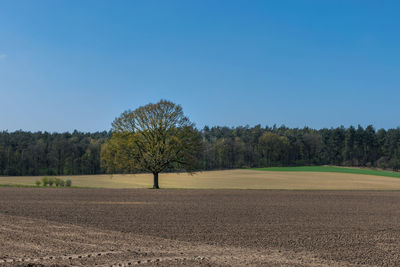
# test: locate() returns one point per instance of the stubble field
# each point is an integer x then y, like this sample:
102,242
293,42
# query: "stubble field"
198,227
232,179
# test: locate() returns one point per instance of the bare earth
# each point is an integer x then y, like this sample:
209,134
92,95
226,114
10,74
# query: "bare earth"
231,179
124,227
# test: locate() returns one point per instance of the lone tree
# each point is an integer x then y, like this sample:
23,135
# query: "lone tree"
152,138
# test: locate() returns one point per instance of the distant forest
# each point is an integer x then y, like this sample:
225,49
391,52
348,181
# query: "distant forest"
42,153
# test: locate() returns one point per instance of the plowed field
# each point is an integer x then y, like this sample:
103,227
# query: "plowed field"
198,227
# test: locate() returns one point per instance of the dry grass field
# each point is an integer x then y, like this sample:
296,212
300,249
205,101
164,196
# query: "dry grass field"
232,179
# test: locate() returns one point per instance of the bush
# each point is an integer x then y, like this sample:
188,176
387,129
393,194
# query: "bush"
51,181
38,183
57,182
45,181
68,182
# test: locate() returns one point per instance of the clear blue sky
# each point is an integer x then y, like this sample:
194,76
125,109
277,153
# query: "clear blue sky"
68,65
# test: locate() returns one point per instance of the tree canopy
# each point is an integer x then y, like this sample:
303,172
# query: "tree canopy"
153,138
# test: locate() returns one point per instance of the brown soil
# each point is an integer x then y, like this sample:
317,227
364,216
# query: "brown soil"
64,227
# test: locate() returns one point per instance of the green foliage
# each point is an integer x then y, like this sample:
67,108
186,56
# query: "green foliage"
273,148
153,138
51,181
68,183
45,181
57,182
42,153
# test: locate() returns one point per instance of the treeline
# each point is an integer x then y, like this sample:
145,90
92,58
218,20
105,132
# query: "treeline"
42,153
272,146
26,153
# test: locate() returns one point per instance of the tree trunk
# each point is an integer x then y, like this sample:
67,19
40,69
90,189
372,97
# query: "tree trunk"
155,186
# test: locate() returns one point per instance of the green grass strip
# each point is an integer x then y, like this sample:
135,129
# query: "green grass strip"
331,169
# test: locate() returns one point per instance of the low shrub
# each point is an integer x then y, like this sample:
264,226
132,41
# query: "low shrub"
57,182
45,181
68,183
51,181
54,181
